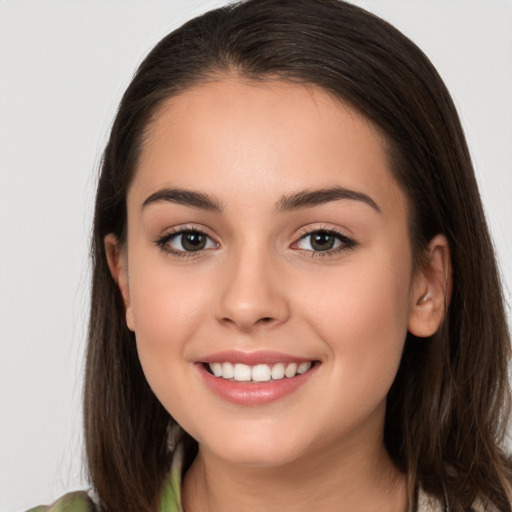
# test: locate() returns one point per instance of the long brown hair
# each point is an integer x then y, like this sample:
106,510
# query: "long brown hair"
448,407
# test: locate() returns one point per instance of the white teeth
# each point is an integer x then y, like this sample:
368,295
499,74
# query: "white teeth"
216,369
291,370
242,372
303,367
278,371
260,372
227,370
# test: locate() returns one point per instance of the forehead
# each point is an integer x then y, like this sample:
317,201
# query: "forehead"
242,137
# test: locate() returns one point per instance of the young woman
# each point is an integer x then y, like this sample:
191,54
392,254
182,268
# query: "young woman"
295,301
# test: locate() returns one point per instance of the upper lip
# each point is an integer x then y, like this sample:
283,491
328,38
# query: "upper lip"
252,358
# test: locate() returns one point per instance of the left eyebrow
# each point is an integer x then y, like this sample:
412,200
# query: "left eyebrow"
185,197
310,198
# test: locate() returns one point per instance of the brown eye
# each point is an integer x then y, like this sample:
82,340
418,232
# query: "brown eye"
192,240
322,241
326,241
187,241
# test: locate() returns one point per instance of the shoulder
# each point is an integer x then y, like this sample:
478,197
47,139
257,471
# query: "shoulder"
78,501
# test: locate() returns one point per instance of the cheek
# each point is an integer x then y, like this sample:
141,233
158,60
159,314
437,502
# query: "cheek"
166,299
167,308
362,316
167,311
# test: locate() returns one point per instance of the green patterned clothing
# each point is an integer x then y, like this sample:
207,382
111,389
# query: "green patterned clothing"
82,501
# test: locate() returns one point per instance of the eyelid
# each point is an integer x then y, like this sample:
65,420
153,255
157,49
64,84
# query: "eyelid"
347,242
163,240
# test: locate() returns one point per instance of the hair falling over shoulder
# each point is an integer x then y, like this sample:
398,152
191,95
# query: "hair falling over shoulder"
448,408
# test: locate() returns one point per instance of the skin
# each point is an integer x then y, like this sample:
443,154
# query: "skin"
259,285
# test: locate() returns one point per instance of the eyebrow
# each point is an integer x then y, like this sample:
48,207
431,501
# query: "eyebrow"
296,201
309,198
185,197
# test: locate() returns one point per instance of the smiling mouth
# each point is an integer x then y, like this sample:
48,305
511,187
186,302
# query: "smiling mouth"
238,372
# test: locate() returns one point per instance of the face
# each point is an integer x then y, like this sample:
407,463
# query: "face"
267,273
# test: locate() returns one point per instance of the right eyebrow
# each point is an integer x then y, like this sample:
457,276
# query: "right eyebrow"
185,197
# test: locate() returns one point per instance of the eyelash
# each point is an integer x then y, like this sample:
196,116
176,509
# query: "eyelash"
346,242
164,240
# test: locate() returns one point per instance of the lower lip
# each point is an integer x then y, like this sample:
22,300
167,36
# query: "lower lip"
254,393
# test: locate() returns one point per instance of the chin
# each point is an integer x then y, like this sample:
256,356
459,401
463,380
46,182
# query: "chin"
255,448
259,458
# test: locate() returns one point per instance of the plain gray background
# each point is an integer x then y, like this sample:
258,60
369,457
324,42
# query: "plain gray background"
63,67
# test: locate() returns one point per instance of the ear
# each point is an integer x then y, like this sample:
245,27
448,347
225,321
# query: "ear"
431,290
118,265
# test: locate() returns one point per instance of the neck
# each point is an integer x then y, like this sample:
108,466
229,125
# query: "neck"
344,478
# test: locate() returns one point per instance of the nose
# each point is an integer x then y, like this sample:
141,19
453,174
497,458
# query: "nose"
253,292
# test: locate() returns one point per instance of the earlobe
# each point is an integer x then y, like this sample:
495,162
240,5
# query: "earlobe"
116,259
431,289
